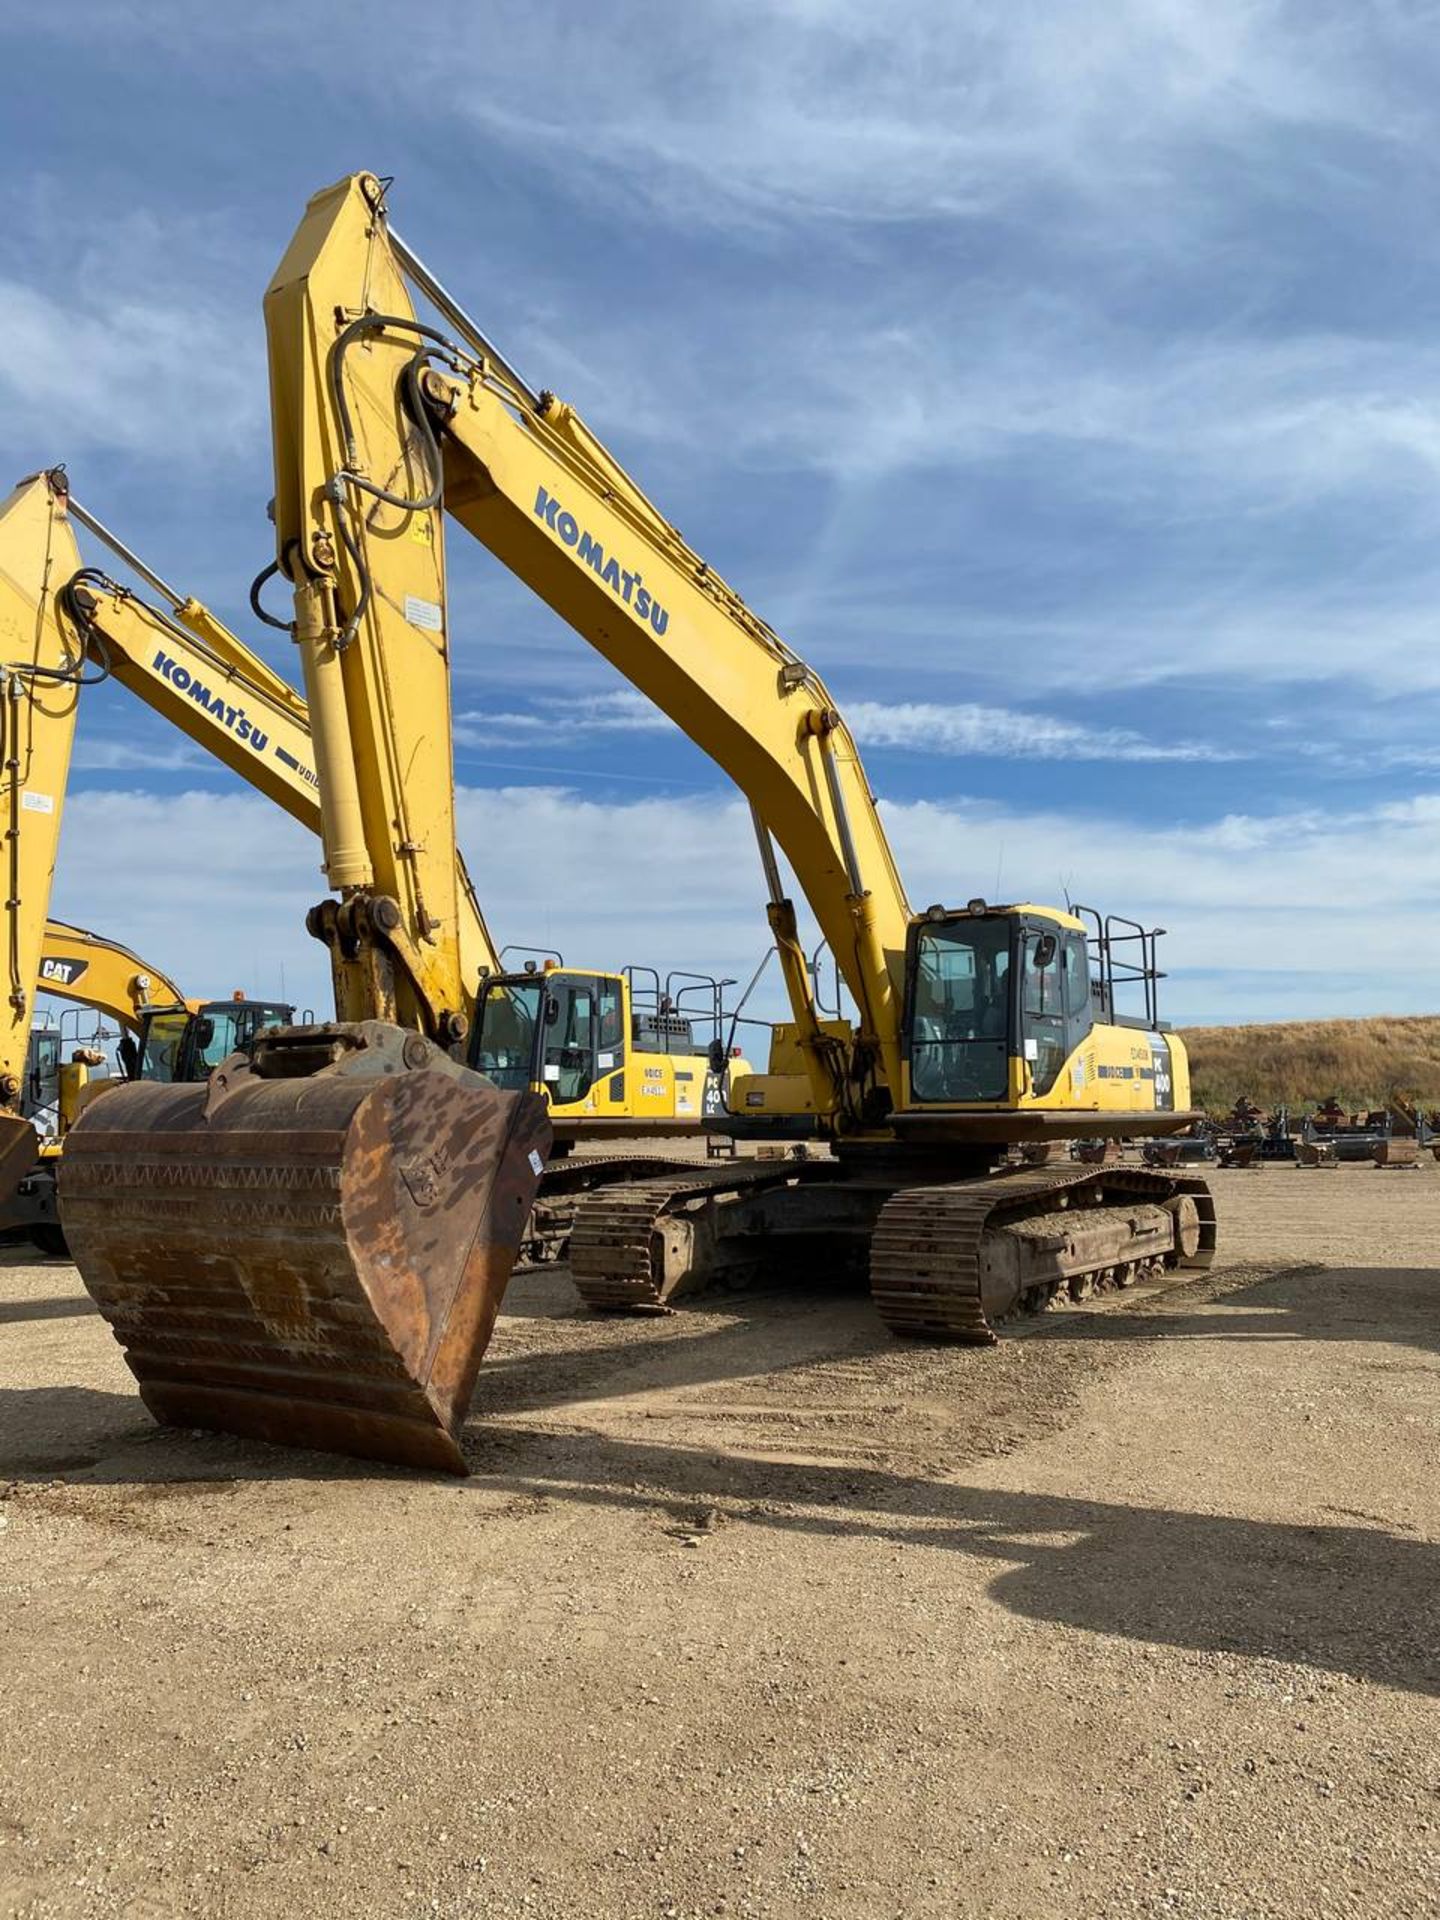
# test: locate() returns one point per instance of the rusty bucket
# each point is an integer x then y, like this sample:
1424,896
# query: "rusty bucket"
316,1261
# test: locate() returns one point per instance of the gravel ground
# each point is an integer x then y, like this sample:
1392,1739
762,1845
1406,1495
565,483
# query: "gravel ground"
756,1612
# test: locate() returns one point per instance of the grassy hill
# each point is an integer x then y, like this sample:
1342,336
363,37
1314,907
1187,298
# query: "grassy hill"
1299,1062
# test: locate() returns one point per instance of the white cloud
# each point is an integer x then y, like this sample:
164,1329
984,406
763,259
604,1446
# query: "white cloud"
1006,733
561,718
97,754
127,330
175,382
1268,915
917,726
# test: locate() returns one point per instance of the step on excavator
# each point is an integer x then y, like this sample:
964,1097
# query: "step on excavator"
978,1026
617,1052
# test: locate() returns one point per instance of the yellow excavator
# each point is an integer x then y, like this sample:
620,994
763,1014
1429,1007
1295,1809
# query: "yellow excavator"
85,970
163,1035
978,1026
618,1053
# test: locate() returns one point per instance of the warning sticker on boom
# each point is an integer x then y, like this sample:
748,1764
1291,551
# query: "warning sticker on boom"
424,614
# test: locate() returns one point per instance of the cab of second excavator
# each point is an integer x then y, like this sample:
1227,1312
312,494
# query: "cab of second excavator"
186,1044
617,1048
553,1028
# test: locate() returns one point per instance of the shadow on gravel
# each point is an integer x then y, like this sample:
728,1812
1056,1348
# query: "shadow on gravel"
1392,1306
1354,1599
1361,1599
733,1338
58,1309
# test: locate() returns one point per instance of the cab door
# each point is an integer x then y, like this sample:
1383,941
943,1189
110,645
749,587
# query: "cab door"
567,1046
1055,1003
615,1063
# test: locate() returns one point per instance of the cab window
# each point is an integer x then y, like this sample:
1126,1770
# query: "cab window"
611,1033
569,1051
1055,1002
503,1042
218,1032
164,1038
1043,1008
960,1014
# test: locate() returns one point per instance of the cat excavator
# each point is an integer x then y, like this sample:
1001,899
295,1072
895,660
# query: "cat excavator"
977,1026
163,1036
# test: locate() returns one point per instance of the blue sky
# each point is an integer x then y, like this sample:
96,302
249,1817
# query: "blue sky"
1063,383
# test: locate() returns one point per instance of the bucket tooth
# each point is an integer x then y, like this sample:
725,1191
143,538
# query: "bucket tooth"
315,1261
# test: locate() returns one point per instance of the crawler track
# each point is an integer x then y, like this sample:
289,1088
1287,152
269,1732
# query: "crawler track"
613,1246
564,1187
929,1272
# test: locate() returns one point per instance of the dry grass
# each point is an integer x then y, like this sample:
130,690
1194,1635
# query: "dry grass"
1300,1062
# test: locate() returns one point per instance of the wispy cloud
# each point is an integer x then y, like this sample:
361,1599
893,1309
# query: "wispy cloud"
826,112
136,375
560,719
919,727
1005,733
777,110
124,332
104,754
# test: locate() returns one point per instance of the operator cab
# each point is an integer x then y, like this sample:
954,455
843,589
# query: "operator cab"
574,1034
179,1046
552,1028
994,985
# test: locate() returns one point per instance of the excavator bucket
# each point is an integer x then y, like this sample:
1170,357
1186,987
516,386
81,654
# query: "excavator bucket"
312,1260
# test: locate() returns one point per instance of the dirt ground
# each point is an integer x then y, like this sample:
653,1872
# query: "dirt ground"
757,1612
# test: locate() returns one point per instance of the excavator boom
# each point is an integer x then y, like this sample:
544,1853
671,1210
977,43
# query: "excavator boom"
313,1247
91,971
39,693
